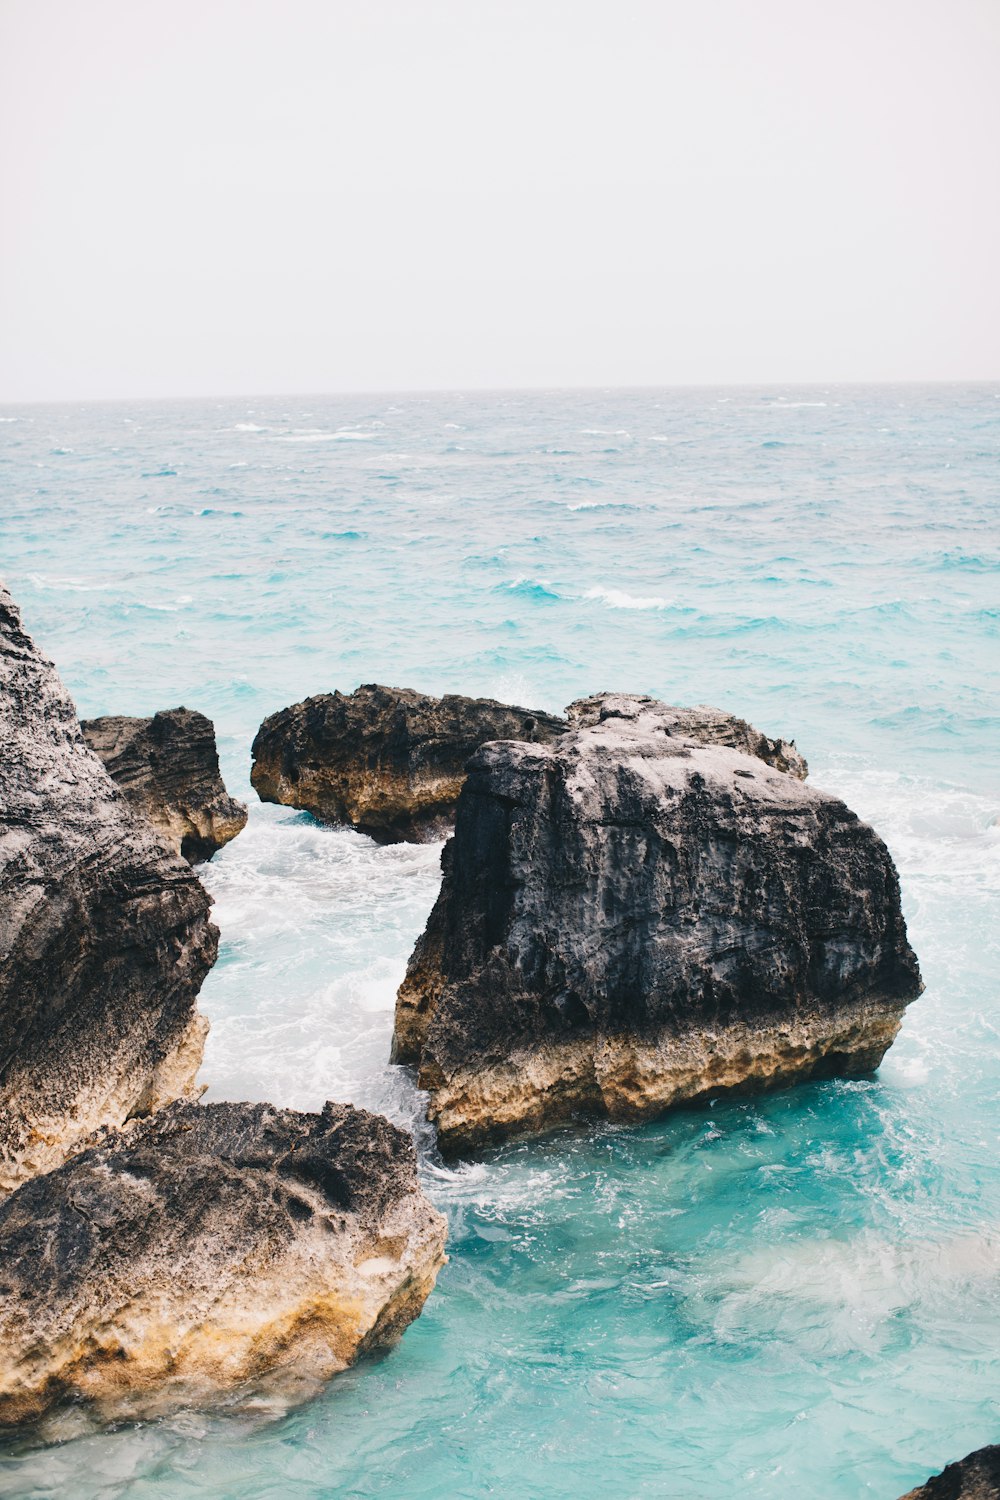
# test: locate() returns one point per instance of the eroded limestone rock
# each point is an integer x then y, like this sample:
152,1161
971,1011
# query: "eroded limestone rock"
706,726
168,768
630,920
388,761
105,935
974,1478
208,1246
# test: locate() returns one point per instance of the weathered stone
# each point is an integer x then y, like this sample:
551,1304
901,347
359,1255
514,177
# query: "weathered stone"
974,1478
105,936
207,1247
168,768
388,761
630,920
706,726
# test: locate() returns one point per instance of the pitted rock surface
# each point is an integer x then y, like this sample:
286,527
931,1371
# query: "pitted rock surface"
630,919
168,768
974,1478
105,935
388,761
211,1247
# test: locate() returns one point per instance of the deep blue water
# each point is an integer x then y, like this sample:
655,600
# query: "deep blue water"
793,1296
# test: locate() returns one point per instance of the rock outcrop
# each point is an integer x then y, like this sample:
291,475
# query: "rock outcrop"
707,726
168,768
630,919
105,935
388,761
207,1247
974,1478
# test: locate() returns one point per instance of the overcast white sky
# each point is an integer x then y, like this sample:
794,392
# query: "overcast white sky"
209,197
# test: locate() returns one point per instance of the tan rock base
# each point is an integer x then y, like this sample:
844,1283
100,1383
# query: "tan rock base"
628,1079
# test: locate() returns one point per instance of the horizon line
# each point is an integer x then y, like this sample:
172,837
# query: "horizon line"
497,390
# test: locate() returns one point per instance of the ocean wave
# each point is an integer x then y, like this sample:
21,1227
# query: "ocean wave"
75,585
532,588
248,427
318,435
602,505
619,599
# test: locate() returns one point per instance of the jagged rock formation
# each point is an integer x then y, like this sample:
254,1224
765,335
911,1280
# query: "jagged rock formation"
707,726
168,768
974,1478
105,935
388,761
208,1246
630,920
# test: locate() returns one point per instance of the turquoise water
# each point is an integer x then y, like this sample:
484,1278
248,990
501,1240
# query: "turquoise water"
793,1296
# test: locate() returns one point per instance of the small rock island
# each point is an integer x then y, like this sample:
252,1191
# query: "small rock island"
210,1245
389,762
632,918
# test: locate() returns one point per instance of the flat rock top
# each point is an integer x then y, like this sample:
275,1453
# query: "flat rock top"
371,708
643,738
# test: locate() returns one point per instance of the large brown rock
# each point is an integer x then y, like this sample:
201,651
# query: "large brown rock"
630,919
168,768
105,935
388,761
208,1248
974,1478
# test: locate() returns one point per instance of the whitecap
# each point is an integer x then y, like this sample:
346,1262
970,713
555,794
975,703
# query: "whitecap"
248,427
318,435
76,585
619,599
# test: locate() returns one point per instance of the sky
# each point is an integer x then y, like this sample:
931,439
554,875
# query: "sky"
227,197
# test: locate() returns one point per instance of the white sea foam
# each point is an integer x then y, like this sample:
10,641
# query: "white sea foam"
248,427
619,599
318,435
75,585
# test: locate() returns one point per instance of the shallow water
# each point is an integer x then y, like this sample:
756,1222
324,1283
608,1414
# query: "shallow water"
798,1295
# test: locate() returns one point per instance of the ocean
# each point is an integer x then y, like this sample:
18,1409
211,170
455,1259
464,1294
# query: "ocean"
792,1295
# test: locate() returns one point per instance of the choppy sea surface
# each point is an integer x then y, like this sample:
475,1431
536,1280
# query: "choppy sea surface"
792,1296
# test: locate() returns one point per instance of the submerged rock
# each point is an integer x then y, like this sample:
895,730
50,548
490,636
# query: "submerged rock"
388,761
168,768
630,920
105,935
707,726
210,1246
974,1478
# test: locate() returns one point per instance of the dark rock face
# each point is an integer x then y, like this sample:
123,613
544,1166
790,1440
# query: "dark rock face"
707,726
207,1246
168,768
105,935
388,761
630,920
974,1478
